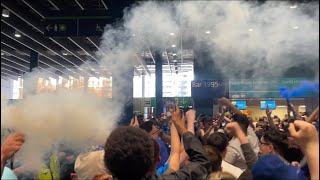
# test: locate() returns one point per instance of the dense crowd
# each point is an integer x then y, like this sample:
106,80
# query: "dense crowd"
228,145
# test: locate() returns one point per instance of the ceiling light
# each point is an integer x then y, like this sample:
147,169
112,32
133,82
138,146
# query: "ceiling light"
2,53
293,6
133,35
208,32
5,13
171,34
295,27
17,34
64,53
250,29
173,45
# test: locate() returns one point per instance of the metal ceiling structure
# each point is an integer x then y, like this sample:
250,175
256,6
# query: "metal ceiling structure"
60,56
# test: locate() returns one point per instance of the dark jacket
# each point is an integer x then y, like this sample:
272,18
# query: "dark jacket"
198,168
251,159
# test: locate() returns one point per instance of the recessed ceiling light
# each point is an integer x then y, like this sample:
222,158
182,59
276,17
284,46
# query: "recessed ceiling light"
17,34
133,35
250,29
208,32
295,27
5,13
171,34
173,45
293,6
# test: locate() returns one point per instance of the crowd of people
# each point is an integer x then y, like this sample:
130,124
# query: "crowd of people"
228,145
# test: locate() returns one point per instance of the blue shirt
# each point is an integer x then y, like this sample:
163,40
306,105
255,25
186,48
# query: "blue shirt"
8,174
163,153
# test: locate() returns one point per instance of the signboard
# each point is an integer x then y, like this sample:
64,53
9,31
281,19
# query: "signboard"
78,23
170,101
261,88
209,89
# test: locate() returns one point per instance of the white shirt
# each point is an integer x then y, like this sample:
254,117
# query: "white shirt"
235,171
235,155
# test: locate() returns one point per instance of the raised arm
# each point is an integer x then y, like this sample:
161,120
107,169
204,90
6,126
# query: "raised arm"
306,136
234,129
296,116
191,116
314,115
226,102
174,162
270,120
206,134
11,145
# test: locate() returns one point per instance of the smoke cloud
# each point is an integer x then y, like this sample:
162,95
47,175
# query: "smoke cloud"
305,89
239,36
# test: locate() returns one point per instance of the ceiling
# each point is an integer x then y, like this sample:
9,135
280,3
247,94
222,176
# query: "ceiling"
62,56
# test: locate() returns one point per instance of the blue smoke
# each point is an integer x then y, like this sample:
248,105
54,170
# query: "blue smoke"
305,89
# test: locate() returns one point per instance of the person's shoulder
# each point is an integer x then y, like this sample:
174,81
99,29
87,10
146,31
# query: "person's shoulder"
234,142
227,167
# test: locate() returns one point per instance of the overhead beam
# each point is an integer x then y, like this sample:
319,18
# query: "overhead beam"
14,54
38,39
104,4
79,4
54,5
43,62
11,75
34,9
137,72
10,71
144,66
16,61
41,53
12,68
9,4
95,43
84,48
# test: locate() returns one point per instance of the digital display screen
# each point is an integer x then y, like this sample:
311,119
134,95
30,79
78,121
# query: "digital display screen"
241,105
271,104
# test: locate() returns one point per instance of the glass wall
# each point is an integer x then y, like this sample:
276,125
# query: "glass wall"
173,84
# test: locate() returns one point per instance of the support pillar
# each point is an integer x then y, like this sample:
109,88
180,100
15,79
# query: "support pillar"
34,60
159,103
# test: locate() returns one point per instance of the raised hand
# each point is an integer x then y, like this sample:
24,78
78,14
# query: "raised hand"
268,111
134,122
11,145
304,134
175,115
191,115
224,101
234,129
176,119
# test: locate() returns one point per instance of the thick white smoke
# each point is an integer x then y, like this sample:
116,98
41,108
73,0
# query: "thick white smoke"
264,38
